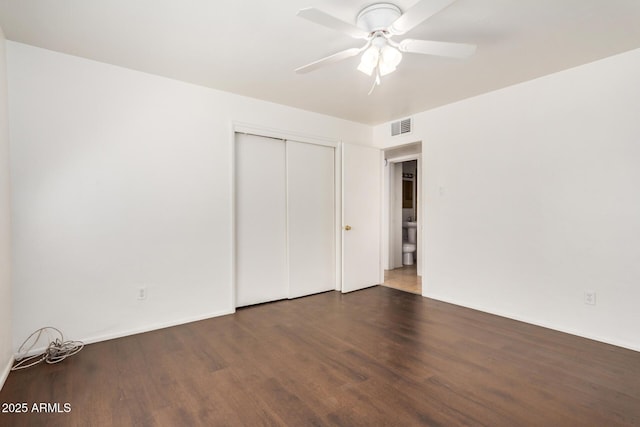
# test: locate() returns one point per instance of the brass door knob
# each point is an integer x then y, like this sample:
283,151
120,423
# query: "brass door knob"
347,227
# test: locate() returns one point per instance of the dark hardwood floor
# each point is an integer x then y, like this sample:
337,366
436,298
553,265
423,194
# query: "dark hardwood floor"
373,357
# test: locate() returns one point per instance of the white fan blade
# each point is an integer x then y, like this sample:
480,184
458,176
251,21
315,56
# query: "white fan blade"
417,14
324,19
329,60
428,47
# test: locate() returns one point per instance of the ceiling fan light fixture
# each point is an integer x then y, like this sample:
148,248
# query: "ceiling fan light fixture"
385,68
390,56
369,60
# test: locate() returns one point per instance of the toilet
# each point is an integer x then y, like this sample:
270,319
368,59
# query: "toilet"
408,249
409,246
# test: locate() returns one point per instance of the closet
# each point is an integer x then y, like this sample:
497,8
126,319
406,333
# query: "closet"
284,219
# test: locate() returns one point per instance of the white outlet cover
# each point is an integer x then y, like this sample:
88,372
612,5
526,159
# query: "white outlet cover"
590,297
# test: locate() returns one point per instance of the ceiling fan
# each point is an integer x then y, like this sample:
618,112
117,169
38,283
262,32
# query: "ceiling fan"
377,24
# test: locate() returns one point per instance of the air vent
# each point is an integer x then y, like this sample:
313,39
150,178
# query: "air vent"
401,127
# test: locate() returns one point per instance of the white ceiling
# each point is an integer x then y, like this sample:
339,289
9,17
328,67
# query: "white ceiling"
251,47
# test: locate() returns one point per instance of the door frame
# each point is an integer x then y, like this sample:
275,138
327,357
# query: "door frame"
264,131
420,194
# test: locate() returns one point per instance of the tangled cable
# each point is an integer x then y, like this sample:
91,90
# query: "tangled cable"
56,351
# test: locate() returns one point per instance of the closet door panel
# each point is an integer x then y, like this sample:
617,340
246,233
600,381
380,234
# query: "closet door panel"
311,213
261,227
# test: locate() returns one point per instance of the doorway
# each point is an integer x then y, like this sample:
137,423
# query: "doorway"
403,208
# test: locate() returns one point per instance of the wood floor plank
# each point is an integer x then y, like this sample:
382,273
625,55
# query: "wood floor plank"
372,357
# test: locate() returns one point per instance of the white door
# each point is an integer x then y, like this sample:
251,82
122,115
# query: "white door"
261,227
311,218
361,216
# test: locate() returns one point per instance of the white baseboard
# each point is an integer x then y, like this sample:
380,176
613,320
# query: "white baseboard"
154,327
617,343
5,372
140,330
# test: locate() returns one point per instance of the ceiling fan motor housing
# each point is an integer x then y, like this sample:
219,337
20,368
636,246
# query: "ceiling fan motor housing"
378,17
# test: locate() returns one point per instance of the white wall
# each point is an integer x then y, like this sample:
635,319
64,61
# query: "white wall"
5,226
540,200
123,179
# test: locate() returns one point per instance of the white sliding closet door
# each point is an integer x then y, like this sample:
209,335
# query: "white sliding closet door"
311,214
261,220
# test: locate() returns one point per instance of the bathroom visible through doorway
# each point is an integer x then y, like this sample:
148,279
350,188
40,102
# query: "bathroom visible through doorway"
403,213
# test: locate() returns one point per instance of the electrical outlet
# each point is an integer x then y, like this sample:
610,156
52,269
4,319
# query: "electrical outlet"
590,297
142,292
